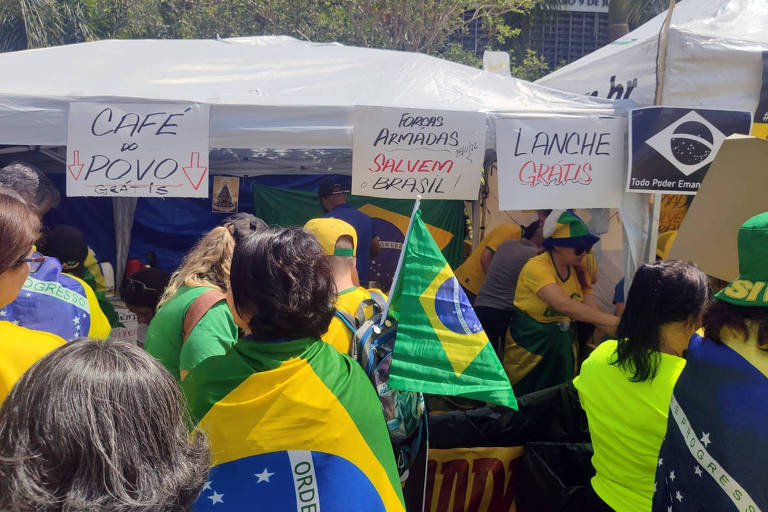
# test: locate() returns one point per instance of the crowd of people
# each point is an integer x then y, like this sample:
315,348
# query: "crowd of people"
242,394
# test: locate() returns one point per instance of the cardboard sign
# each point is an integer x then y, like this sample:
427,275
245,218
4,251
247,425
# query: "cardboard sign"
477,479
226,194
402,153
670,148
732,192
129,331
568,163
128,150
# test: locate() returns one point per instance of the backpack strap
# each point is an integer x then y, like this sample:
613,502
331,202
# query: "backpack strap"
347,319
376,300
197,310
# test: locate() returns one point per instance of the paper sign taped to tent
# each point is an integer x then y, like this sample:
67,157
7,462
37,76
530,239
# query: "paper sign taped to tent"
137,150
402,153
568,163
226,194
670,148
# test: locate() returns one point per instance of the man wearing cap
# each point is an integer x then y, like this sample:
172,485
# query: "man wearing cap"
339,241
332,193
715,451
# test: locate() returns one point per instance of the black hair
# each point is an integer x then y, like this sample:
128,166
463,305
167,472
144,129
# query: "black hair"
661,292
282,284
144,287
724,314
530,229
97,426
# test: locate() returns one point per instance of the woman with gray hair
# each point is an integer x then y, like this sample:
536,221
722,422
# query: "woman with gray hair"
98,426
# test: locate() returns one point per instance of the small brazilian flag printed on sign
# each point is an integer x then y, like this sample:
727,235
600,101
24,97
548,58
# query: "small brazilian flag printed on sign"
440,347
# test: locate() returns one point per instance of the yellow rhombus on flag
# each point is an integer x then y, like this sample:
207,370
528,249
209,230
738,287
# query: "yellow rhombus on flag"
440,346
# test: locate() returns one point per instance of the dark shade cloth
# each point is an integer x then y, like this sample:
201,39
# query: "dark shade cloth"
555,478
553,428
552,415
495,323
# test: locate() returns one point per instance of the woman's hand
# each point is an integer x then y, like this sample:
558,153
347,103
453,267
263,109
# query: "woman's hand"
553,295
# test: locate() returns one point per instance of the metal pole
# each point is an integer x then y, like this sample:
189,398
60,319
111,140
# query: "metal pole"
400,260
661,60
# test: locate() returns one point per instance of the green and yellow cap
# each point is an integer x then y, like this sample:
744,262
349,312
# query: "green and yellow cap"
328,230
751,287
563,228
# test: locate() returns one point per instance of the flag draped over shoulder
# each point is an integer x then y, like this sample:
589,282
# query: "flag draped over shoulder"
713,457
293,425
440,347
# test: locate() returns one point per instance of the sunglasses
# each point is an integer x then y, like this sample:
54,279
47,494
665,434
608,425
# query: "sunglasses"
35,262
578,251
134,286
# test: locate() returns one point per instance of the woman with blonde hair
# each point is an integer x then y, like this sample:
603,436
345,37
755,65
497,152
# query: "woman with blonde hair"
193,321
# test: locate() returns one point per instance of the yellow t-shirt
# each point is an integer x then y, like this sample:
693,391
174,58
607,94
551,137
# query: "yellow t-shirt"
470,273
590,266
339,335
536,274
627,423
100,327
20,348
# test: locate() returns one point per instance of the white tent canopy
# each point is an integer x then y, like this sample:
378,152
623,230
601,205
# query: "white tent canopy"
264,92
713,58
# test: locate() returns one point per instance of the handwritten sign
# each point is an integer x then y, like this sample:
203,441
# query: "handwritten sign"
148,150
129,330
402,153
560,163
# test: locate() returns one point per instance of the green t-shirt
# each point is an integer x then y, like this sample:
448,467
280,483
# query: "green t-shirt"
627,423
213,335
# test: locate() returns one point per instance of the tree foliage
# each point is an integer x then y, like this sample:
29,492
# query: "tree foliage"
435,27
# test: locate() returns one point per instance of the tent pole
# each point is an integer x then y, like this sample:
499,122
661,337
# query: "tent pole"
478,224
661,60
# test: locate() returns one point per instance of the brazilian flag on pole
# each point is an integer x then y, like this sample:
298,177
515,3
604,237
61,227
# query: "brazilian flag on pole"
440,347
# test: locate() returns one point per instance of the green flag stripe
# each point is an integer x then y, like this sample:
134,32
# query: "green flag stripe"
420,361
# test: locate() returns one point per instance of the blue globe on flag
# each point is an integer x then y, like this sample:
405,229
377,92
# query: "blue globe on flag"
453,308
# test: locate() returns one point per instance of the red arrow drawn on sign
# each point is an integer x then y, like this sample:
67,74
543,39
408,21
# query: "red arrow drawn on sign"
194,168
76,163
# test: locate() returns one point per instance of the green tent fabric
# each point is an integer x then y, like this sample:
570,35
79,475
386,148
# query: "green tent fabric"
286,207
